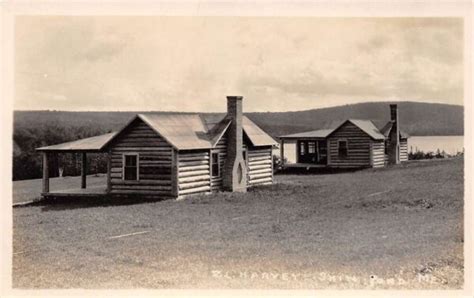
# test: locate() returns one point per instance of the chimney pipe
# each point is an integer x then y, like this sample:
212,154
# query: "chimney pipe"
235,170
394,137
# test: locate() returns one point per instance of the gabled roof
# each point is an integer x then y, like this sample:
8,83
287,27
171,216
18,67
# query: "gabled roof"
321,133
366,126
91,144
201,131
388,127
182,131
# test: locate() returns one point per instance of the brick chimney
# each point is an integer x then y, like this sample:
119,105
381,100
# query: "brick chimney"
394,137
235,171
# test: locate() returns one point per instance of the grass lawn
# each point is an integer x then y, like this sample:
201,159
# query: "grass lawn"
30,190
399,227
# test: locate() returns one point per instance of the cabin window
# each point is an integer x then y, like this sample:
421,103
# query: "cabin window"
311,147
130,167
215,165
342,148
302,148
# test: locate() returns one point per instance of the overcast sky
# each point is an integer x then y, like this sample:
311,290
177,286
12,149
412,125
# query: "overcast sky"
192,63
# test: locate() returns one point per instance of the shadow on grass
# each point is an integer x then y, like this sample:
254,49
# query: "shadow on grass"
60,204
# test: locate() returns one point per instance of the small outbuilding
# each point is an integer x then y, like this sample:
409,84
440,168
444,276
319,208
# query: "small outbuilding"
351,144
172,155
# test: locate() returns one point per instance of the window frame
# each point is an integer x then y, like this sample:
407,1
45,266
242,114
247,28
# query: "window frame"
339,141
218,162
302,148
137,156
312,145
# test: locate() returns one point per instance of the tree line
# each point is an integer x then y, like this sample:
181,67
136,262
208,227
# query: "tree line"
27,162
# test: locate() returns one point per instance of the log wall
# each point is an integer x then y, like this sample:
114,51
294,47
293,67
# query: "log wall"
154,160
403,150
259,166
358,153
378,154
221,149
193,172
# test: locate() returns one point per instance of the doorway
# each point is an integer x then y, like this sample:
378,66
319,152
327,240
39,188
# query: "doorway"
312,151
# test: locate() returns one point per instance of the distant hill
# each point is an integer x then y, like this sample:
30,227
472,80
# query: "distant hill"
415,118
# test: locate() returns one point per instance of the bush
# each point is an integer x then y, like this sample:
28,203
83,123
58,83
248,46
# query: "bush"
428,155
277,164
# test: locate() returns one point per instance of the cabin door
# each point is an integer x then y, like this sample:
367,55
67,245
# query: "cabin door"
307,152
312,152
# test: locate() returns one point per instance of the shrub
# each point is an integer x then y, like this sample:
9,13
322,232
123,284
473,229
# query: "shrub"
277,164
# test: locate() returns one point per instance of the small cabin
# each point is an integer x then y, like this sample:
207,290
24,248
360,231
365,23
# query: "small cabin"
351,144
173,155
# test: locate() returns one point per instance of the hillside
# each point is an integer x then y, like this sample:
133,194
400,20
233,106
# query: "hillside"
415,118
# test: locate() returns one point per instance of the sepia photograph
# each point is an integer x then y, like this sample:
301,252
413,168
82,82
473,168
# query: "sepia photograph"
238,151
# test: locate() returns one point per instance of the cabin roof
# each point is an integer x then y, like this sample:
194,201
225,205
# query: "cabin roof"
366,126
320,133
256,135
182,131
96,143
201,131
388,127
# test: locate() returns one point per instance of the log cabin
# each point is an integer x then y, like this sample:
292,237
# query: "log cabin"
351,144
175,155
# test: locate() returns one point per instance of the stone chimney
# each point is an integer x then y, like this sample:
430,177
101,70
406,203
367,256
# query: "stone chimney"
235,171
394,137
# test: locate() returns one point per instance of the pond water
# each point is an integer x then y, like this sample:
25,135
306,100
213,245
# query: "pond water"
450,144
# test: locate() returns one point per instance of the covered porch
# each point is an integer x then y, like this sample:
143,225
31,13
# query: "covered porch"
83,147
304,150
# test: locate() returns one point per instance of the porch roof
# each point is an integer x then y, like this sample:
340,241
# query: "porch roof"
92,144
321,134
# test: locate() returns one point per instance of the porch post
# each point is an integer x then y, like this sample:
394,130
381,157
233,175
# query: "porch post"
282,152
45,173
109,168
84,170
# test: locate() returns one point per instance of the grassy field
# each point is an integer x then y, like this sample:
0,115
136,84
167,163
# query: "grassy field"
30,190
399,227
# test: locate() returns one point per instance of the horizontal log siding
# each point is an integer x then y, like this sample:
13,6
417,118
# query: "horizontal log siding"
358,154
260,166
378,154
193,172
403,150
221,149
154,163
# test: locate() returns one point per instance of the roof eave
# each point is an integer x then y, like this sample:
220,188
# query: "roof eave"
44,149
